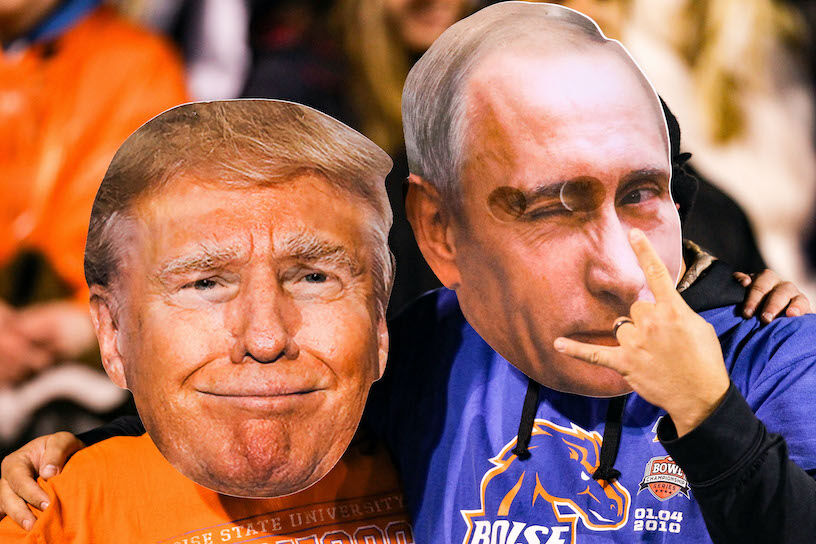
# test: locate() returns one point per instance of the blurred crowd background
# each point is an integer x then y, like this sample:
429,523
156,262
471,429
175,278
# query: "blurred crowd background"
78,76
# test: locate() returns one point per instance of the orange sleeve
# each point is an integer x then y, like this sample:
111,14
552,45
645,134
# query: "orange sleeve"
77,503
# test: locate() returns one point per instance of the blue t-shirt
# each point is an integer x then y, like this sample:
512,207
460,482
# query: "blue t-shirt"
449,409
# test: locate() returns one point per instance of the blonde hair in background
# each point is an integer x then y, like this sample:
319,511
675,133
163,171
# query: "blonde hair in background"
727,44
380,65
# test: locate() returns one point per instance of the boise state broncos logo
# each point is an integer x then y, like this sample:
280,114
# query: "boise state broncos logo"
542,500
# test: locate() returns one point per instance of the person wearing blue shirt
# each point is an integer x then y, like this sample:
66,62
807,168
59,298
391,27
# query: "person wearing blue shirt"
567,387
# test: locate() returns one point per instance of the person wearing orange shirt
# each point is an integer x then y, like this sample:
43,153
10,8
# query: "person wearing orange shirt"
239,273
75,80
358,502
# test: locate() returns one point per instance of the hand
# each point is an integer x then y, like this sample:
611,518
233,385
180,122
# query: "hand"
19,355
44,456
773,295
668,354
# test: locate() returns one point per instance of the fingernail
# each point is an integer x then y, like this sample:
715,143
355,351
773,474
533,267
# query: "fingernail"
49,471
793,312
636,235
768,316
748,312
27,524
559,344
43,505
745,282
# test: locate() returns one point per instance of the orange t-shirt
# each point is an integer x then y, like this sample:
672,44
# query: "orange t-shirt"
123,490
66,105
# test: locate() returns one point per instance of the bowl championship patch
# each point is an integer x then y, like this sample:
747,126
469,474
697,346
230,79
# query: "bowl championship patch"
664,478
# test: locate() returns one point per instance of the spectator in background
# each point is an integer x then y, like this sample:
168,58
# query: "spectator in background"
382,39
75,81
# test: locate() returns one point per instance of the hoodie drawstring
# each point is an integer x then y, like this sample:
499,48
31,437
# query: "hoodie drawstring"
611,441
525,430
611,436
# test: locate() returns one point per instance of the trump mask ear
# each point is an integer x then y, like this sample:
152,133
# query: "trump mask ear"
382,343
104,318
433,230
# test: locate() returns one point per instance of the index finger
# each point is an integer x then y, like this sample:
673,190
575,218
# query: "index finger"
21,477
657,275
15,507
